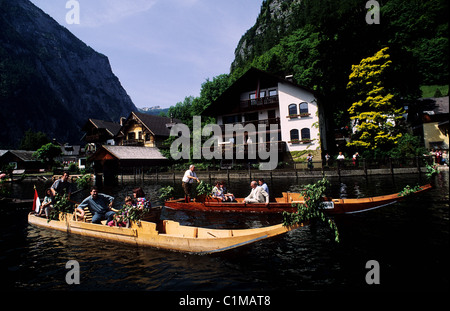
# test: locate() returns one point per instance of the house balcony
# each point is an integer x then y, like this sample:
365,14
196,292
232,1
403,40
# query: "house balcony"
245,148
259,103
133,142
96,138
266,122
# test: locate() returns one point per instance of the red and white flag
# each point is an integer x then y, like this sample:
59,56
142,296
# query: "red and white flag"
36,202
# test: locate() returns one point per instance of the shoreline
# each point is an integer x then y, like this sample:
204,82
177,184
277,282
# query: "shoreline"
251,174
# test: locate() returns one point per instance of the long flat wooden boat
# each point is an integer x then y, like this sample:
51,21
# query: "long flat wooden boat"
288,203
170,235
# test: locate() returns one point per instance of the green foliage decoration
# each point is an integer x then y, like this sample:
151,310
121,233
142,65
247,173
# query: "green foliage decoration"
61,204
408,190
204,189
84,181
431,171
312,208
130,213
166,193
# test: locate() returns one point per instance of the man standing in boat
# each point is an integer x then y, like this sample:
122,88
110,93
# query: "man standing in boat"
62,186
99,205
187,181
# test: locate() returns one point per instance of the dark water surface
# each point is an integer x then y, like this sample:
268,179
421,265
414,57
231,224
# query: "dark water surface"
409,240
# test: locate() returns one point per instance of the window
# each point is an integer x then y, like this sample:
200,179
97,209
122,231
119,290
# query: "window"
294,135
131,136
252,97
306,134
292,109
303,107
273,92
232,119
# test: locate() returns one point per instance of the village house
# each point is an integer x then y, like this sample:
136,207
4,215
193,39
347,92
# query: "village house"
98,133
20,161
144,130
72,154
135,143
262,98
429,120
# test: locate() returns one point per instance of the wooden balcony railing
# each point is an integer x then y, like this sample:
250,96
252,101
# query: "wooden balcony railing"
133,142
226,147
256,103
265,122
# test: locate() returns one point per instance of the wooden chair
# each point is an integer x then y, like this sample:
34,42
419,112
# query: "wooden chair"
87,215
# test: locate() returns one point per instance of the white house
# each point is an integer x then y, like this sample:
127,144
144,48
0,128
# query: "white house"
262,98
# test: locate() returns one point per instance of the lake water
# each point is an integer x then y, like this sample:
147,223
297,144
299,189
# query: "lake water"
409,240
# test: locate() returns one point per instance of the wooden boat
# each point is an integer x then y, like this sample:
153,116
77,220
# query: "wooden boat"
287,203
167,235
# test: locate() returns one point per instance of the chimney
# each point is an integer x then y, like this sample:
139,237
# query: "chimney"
290,78
122,121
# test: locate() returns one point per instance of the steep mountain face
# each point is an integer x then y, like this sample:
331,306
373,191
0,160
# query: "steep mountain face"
276,19
50,81
318,41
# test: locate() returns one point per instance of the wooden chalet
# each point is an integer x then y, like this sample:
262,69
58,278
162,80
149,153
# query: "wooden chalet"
21,161
101,132
110,161
144,130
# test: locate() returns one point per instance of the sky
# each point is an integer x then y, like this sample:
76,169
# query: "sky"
161,50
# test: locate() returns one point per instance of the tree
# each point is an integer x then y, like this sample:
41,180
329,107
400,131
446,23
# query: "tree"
408,146
375,117
32,140
47,153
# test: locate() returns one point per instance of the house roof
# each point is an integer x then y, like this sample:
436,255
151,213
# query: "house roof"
132,153
247,82
155,124
69,150
23,155
111,127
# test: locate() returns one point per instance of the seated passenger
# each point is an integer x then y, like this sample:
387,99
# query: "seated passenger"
217,192
119,217
141,201
99,205
47,204
257,195
228,196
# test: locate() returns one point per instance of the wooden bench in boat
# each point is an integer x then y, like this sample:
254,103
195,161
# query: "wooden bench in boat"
88,216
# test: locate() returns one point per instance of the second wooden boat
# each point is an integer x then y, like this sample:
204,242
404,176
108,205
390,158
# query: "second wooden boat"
288,202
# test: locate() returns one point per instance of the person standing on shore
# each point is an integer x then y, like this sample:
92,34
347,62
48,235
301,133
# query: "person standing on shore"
187,181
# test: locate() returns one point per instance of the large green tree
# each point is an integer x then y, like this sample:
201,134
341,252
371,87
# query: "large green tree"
47,153
374,113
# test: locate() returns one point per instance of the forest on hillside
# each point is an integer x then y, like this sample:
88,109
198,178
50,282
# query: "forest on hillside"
318,41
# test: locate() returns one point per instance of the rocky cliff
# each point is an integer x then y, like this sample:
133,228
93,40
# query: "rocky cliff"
276,19
50,81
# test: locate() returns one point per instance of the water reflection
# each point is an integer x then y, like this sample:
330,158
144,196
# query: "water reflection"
304,259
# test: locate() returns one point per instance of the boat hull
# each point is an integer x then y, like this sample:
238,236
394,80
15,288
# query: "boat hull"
288,203
173,236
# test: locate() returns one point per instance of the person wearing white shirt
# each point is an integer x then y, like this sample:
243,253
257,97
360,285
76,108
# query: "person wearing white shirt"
257,195
187,181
